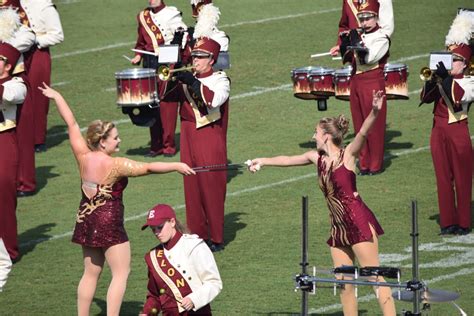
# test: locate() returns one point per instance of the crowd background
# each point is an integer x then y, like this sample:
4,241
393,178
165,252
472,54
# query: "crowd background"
262,220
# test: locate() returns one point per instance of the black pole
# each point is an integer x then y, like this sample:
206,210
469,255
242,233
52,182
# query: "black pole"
304,256
414,245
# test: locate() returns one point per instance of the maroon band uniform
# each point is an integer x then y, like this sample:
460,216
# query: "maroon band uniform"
157,26
12,92
367,76
451,146
204,119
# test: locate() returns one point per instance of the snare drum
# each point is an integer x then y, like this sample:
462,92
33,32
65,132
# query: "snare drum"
342,83
396,84
321,81
301,84
136,87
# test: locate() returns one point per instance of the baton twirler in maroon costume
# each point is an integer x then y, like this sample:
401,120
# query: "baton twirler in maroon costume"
158,25
451,147
204,116
12,93
368,61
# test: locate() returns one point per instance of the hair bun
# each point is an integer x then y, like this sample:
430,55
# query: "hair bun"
342,124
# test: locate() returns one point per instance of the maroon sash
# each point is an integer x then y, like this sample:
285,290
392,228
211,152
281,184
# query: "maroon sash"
164,272
152,30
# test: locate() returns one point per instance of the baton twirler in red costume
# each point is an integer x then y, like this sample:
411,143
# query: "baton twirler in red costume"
12,93
451,147
204,116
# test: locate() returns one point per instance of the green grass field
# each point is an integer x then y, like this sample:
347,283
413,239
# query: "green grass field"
263,211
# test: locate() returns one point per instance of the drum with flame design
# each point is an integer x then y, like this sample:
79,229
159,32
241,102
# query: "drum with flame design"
396,84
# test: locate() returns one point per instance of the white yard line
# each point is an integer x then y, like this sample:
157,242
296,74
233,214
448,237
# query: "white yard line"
276,18
370,297
231,194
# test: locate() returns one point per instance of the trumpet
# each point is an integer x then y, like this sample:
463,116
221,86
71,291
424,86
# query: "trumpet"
426,74
165,73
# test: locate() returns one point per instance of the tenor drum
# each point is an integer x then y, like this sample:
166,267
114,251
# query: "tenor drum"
301,84
396,83
342,83
321,81
136,87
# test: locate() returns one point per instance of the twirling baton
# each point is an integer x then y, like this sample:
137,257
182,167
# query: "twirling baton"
223,167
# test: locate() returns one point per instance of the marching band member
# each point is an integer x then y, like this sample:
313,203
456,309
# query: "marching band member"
14,26
13,93
182,274
5,265
204,114
100,226
354,228
207,16
451,146
350,20
15,29
368,54
45,22
160,25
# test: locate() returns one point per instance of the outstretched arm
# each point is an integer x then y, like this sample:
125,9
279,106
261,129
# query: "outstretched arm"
285,161
165,167
130,168
356,145
78,144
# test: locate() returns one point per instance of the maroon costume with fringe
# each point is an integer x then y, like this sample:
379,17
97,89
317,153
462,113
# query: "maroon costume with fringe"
350,217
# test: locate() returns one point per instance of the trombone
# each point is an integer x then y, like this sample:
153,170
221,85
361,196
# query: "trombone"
165,73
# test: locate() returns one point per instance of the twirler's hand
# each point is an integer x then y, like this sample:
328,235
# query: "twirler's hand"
255,165
377,100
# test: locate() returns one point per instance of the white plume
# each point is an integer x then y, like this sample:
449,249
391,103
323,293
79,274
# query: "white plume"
462,29
9,23
207,21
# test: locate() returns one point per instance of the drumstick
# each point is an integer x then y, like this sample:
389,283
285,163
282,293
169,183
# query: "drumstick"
337,58
127,58
320,55
144,52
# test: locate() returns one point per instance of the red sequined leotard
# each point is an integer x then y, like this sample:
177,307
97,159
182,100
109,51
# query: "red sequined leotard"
350,217
100,218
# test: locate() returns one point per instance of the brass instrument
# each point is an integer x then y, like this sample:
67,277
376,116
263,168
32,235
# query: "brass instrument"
165,73
426,74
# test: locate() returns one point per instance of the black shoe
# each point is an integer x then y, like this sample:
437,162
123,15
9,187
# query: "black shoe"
462,231
41,148
24,193
364,172
215,247
152,154
373,173
169,155
449,230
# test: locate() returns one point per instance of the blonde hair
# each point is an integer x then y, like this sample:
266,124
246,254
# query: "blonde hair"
183,229
337,127
97,131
